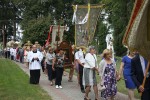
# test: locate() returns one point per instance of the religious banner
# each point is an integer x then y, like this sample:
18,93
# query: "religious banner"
49,36
85,19
138,32
57,35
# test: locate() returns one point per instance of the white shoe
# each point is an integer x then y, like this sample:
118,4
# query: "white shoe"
60,87
57,87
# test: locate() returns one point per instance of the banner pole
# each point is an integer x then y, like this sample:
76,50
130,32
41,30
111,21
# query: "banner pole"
145,75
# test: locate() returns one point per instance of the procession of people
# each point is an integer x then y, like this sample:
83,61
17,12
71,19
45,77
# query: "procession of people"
51,59
87,68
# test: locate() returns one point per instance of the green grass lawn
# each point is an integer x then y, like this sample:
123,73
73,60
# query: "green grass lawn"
14,84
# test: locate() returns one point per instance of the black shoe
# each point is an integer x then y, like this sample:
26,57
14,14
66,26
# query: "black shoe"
82,91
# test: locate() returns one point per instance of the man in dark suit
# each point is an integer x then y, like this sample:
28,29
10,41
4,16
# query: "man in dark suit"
138,69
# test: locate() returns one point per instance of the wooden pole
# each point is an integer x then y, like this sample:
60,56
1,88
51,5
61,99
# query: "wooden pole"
145,75
58,38
14,29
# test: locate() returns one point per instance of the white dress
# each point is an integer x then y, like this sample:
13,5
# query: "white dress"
25,56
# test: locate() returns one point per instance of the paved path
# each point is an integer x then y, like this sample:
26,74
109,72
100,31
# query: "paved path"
70,91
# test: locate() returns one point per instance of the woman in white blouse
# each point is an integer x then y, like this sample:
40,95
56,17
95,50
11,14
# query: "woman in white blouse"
89,73
49,59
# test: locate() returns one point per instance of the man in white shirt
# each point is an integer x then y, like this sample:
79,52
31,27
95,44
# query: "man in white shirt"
89,72
14,53
11,53
79,57
35,57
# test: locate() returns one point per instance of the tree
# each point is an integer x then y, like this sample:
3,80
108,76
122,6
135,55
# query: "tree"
102,31
38,15
8,19
119,13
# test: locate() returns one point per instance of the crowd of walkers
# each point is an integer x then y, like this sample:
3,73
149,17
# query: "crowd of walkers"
132,67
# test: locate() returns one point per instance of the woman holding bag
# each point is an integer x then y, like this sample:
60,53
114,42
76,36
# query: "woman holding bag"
107,71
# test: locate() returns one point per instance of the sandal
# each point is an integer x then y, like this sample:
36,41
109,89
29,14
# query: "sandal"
86,98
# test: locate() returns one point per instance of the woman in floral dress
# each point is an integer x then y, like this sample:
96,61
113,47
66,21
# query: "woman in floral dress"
108,76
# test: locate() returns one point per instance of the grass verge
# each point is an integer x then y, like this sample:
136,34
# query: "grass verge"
14,84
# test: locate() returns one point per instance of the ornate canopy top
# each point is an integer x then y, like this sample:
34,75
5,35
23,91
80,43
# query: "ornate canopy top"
11,43
28,43
37,43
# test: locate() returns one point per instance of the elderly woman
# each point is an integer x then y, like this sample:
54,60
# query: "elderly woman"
107,70
50,55
89,73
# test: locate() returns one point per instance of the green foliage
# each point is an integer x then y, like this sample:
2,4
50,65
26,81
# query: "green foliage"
36,21
37,30
102,31
119,13
9,16
38,15
100,35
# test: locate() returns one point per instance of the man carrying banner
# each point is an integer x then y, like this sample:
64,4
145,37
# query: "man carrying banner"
138,70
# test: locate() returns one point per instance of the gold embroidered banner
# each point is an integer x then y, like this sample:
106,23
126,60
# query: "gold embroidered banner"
137,37
85,18
57,35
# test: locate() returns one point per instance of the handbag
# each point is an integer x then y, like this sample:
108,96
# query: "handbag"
102,87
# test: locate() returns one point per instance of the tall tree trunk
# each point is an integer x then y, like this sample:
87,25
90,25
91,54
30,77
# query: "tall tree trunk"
14,30
4,39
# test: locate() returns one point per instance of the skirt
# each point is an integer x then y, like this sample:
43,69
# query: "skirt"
129,82
89,77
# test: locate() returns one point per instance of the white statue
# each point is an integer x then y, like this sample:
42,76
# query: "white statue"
109,41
